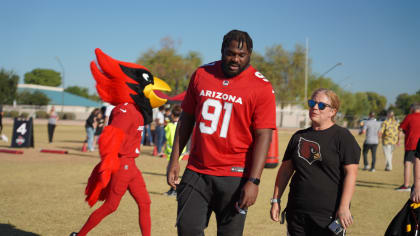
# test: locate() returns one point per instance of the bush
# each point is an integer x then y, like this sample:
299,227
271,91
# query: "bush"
41,114
11,114
69,116
24,115
32,98
66,115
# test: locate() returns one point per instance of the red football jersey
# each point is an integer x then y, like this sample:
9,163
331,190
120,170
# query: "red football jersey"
129,119
227,111
411,127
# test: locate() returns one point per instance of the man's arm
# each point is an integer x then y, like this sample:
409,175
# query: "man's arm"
262,143
183,132
415,194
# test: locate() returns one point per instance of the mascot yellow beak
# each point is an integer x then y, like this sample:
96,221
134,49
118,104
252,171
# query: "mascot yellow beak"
159,84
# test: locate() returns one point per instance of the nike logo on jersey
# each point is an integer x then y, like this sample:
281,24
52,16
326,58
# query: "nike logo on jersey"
140,128
222,96
123,110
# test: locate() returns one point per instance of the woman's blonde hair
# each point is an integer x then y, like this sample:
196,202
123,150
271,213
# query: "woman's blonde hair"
332,96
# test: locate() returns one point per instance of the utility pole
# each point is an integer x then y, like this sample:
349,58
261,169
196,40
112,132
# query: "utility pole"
306,78
62,93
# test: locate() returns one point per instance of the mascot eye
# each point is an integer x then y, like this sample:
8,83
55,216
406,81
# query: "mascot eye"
145,76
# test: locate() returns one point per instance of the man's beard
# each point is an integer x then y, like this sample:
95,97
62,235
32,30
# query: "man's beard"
228,73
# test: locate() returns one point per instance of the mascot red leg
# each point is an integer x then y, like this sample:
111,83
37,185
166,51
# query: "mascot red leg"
129,87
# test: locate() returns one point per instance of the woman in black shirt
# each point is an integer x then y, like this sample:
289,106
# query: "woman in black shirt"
323,160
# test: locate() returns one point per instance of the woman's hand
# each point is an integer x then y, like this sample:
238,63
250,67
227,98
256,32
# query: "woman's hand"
345,217
275,211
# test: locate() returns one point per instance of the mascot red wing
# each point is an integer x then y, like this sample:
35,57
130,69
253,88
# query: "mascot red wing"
129,87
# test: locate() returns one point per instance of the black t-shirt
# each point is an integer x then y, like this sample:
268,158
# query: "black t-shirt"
90,120
318,158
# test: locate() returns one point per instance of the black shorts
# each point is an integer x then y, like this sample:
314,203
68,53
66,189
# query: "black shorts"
409,155
199,195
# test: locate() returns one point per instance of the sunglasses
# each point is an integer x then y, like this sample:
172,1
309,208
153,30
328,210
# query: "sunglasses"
321,105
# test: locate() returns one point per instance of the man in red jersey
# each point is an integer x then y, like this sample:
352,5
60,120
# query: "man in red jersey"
233,108
411,128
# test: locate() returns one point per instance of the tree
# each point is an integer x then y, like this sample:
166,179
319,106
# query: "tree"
377,102
285,70
8,86
170,66
404,102
46,77
79,91
35,98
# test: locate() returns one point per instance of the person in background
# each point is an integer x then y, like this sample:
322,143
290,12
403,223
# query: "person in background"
90,126
147,138
107,113
232,106
323,160
371,129
100,124
389,134
52,122
411,128
159,131
170,136
168,114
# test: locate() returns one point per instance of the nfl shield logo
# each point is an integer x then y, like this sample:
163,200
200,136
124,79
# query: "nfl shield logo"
225,82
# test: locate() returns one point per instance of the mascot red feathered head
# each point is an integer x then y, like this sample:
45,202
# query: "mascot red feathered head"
124,82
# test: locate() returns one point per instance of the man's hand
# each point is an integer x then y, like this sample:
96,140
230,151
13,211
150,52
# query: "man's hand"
415,195
172,173
249,195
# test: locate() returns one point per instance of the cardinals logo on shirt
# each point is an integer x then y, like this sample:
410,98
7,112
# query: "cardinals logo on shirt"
308,150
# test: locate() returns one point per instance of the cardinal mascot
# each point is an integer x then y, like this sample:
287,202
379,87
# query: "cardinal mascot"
129,87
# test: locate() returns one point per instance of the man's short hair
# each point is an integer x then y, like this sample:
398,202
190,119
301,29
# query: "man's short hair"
416,106
176,111
237,35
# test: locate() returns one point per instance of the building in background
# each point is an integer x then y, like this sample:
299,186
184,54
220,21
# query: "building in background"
63,102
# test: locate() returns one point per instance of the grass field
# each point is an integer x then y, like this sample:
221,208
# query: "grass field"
42,193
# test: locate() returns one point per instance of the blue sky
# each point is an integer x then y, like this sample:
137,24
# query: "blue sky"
378,41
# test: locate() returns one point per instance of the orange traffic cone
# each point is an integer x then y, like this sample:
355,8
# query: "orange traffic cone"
272,159
84,147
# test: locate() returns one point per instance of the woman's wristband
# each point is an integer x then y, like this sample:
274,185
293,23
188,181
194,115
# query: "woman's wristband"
275,200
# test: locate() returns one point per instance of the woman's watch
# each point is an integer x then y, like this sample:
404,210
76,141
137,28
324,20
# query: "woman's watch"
275,200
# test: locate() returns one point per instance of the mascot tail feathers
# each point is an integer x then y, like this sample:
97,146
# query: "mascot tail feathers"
109,145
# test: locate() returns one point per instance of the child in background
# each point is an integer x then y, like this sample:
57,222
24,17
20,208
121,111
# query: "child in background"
170,135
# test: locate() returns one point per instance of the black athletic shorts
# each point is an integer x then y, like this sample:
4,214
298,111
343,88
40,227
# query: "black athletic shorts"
409,155
199,195
417,154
